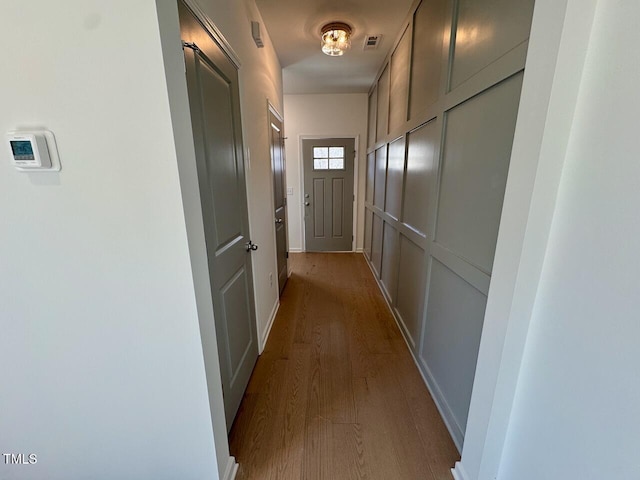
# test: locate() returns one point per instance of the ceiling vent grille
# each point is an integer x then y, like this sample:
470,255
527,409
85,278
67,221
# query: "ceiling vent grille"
371,42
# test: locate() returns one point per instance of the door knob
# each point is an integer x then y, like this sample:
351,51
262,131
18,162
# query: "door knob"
250,246
307,203
278,220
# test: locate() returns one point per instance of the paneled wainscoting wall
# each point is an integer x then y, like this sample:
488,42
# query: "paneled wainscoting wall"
442,115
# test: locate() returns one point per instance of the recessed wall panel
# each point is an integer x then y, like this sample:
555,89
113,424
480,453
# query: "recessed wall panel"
382,109
380,177
337,213
318,207
455,314
477,150
421,172
411,287
395,177
399,82
486,30
376,244
368,230
389,261
429,30
371,128
217,109
371,172
236,305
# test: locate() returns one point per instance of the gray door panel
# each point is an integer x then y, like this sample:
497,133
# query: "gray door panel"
279,197
215,114
328,198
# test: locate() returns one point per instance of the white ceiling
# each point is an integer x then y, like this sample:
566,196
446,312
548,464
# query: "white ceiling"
294,27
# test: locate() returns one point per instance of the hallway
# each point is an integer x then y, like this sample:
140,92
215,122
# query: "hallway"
336,394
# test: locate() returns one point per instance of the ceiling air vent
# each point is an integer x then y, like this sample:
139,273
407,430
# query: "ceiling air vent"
371,42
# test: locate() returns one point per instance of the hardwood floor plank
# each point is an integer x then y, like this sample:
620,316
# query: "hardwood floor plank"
379,454
304,311
318,454
339,375
288,437
318,399
348,453
254,447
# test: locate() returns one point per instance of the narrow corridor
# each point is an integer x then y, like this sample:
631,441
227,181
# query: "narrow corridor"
336,394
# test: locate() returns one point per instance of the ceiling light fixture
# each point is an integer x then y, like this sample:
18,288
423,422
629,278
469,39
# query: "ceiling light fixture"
336,38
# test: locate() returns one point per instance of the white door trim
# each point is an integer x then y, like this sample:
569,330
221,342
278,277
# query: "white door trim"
275,111
231,470
356,157
557,49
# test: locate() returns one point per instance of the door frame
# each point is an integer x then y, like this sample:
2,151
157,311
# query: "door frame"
272,109
356,156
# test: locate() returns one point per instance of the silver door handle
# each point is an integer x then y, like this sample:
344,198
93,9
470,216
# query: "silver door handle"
278,220
307,203
250,246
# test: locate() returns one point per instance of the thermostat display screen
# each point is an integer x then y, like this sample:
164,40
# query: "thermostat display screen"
22,150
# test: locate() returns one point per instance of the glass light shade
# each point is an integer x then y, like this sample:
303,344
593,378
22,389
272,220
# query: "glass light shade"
336,38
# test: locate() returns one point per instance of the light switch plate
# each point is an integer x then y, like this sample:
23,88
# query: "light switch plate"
289,190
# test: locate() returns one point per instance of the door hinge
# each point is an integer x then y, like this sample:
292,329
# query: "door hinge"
286,254
193,47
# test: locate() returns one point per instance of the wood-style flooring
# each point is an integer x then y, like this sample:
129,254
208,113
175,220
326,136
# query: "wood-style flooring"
336,394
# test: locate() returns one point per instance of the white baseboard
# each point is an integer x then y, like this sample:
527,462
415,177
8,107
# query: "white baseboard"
231,470
441,404
459,473
265,334
295,250
360,250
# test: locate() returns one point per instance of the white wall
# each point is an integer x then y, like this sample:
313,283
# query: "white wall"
577,407
103,374
337,115
260,80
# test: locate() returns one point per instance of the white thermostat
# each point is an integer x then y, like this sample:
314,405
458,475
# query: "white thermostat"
33,150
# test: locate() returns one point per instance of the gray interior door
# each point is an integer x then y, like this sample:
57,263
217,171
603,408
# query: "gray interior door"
328,194
279,195
215,114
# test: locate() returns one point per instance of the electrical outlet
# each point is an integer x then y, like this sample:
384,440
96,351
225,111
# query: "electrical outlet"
271,279
289,190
